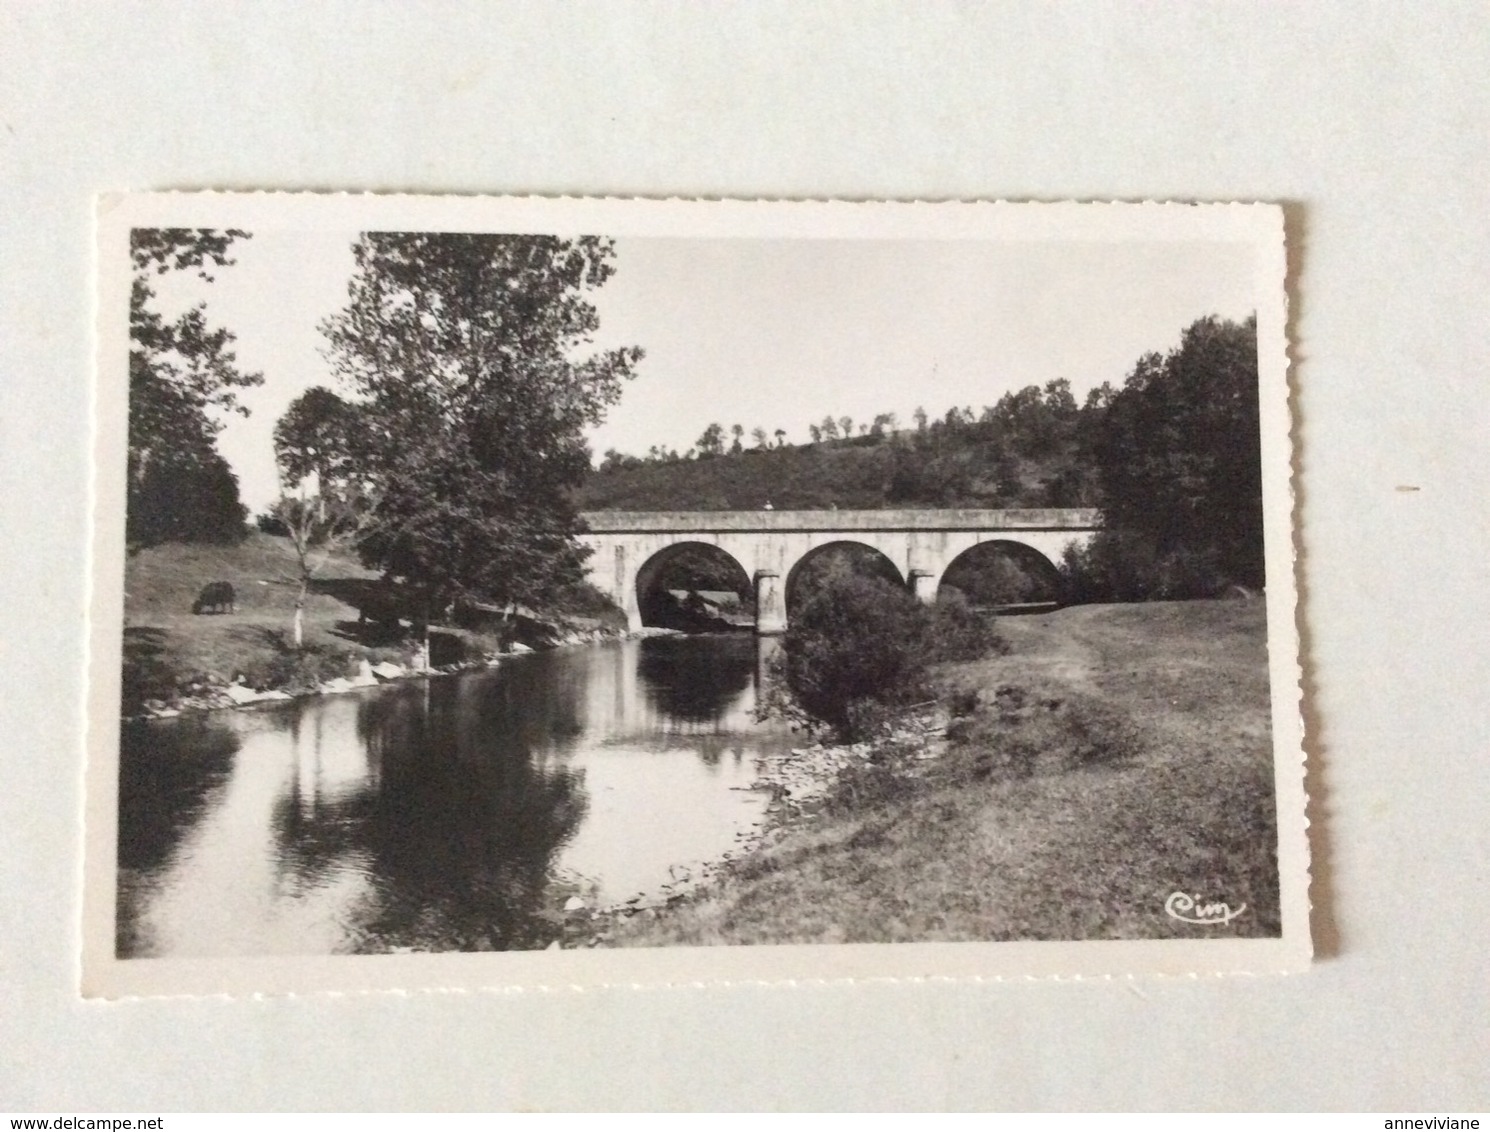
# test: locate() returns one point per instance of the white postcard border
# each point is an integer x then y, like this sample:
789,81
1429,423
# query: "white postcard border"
1257,225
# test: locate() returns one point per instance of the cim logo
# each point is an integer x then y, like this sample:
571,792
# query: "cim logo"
1193,910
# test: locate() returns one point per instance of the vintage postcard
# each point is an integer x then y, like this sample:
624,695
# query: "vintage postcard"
520,592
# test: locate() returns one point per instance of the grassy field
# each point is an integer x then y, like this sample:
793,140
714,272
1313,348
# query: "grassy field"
167,646
161,582
171,653
1117,754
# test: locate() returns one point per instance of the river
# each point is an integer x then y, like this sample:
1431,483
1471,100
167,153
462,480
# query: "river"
456,813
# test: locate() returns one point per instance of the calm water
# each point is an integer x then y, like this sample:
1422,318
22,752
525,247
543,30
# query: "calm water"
437,814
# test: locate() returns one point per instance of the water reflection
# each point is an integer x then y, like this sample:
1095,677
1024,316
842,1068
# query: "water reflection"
697,679
161,796
436,815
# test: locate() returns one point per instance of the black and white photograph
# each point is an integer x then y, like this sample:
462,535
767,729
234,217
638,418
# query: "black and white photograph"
600,589
744,557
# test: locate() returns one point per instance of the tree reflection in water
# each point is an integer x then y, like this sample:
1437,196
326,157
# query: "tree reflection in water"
459,827
168,773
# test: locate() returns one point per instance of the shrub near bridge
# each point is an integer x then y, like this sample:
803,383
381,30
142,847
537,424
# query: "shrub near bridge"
858,651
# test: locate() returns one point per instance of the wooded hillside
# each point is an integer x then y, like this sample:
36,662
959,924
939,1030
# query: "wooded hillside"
1025,451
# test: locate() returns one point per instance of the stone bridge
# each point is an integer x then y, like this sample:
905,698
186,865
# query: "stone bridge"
769,546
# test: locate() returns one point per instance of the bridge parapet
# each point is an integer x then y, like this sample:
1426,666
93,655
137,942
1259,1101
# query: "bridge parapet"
888,519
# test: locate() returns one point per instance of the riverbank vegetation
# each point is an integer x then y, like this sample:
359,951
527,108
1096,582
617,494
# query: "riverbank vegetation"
1114,755
857,654
172,654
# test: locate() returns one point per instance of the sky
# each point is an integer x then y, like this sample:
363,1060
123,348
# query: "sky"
773,333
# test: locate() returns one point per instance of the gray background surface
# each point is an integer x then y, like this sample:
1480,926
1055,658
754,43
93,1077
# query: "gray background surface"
1370,122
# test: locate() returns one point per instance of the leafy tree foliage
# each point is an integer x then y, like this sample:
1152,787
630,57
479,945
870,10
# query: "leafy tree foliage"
858,643
180,371
192,496
325,504
320,436
820,567
857,653
1178,453
1024,451
615,461
471,355
711,443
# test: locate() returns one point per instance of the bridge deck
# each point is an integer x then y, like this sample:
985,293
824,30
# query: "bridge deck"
909,519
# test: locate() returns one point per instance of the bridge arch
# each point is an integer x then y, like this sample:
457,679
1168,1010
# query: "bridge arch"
769,545
685,564
860,556
1004,573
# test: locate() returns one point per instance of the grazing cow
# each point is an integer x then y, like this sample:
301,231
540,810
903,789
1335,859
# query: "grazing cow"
216,597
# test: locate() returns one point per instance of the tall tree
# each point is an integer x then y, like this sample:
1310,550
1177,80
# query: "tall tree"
1179,455
180,372
325,503
320,436
189,496
711,442
473,357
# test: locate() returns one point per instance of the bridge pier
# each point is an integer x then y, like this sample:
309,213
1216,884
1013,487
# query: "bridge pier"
923,585
770,603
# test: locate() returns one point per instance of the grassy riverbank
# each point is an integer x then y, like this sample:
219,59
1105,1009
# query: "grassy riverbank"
1117,754
172,654
168,648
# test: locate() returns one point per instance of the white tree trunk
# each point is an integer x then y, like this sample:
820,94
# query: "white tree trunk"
299,630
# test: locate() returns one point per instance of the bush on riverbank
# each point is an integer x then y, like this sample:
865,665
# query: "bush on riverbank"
855,652
858,654
960,632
